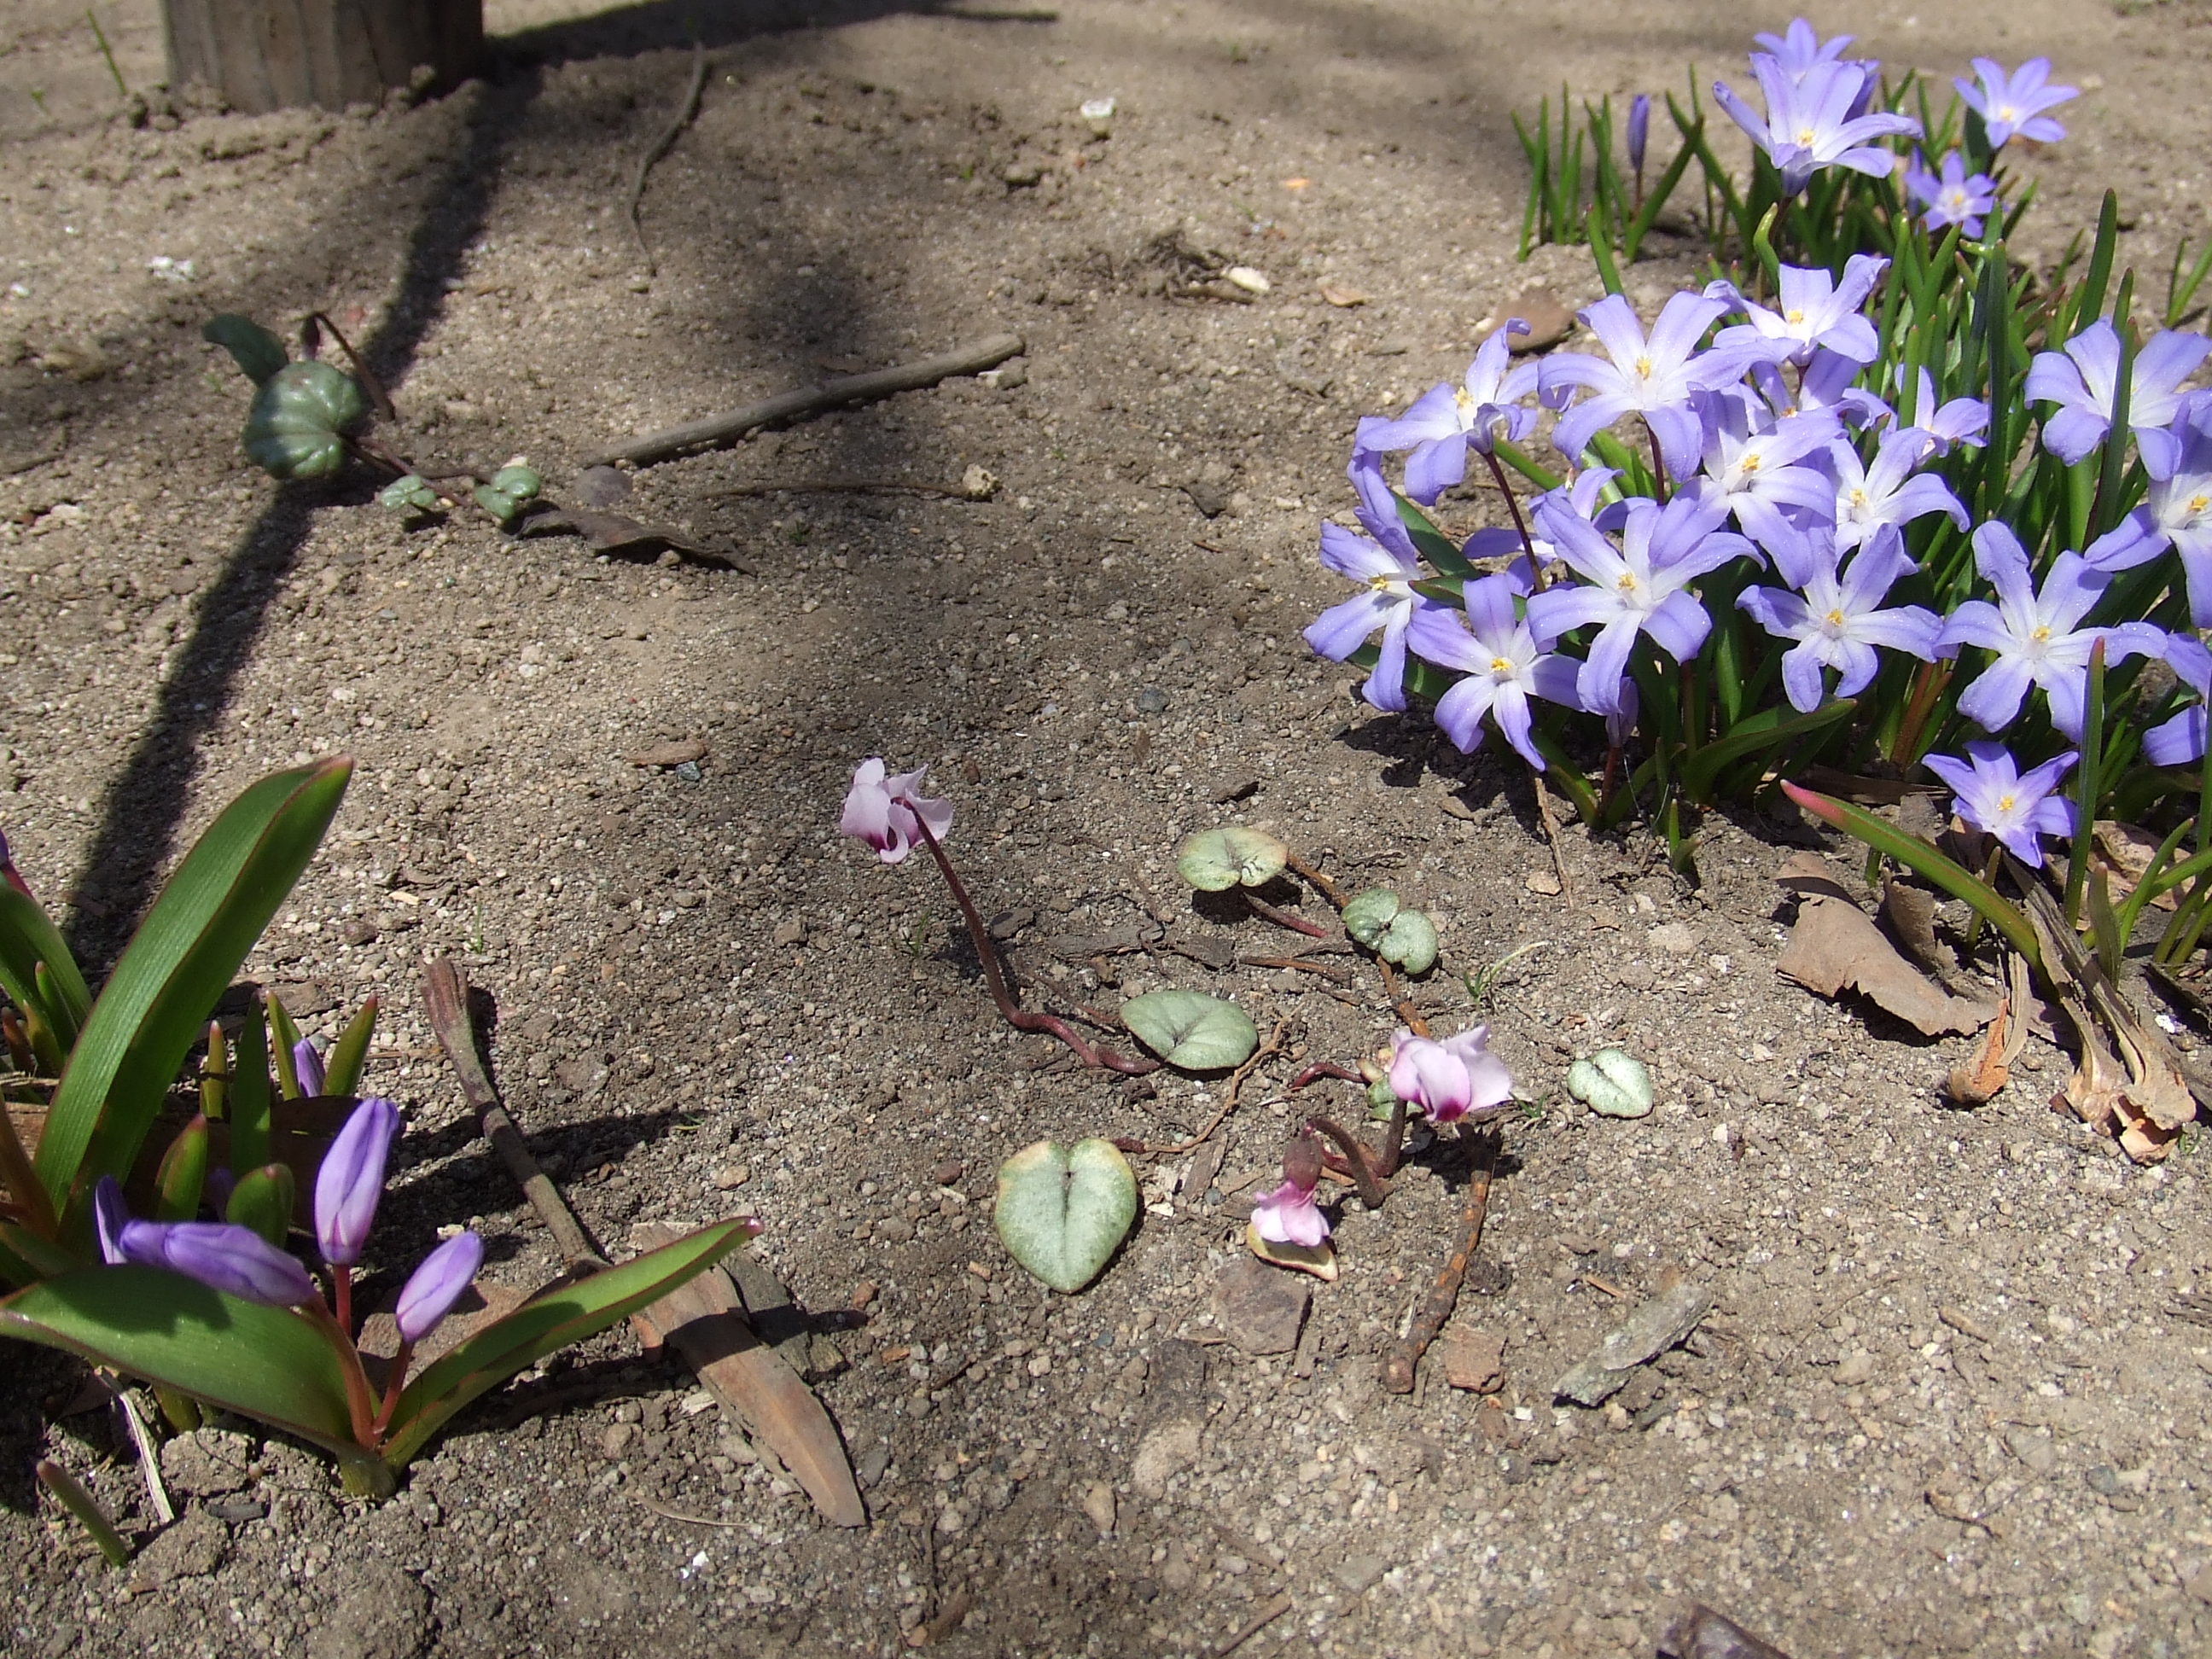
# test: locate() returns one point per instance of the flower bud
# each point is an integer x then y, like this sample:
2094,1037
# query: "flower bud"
351,1180
109,1217
234,1259
308,1065
1639,129
433,1288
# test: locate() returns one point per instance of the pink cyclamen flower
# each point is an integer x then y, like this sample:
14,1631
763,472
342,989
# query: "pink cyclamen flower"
1452,1079
888,813
1290,1215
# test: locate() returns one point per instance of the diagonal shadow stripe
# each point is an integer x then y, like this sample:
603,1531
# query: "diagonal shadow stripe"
143,805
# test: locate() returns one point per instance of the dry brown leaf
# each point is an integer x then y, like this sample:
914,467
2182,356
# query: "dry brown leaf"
1911,913
1836,945
1701,1633
702,1319
2125,851
1810,876
1975,1082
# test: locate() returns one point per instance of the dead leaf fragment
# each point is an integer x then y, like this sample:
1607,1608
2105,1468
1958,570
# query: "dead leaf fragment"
1343,297
1836,947
1474,1359
1976,1082
1319,1260
612,533
2125,851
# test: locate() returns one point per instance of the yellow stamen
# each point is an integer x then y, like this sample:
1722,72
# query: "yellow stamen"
1501,665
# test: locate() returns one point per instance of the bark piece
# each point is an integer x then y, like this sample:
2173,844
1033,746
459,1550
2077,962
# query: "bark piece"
1654,1327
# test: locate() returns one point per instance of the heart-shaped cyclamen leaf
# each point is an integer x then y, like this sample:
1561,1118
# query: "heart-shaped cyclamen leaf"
1196,1032
1410,941
296,427
1368,916
1063,1211
1612,1082
258,353
1214,861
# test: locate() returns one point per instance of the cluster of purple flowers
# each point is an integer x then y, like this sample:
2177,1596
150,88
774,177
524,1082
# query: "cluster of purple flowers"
1769,453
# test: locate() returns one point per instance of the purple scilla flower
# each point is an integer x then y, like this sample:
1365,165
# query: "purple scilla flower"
110,1215
351,1180
1448,421
1959,423
1636,588
886,812
1837,620
1504,661
2128,544
1826,385
229,1258
1640,130
1650,377
436,1284
1948,197
308,1065
2033,636
1992,795
1799,51
2181,739
2013,105
1815,119
2082,381
1753,466
1383,560
1450,1080
1814,311
1888,492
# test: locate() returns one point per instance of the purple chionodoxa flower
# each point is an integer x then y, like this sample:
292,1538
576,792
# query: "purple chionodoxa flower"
1637,588
1888,492
2034,636
1754,468
2084,380
1837,618
2178,510
1960,423
1640,130
1816,118
223,1255
2012,104
1384,560
1814,311
1289,1213
308,1065
350,1179
1993,795
1948,197
2180,740
1504,662
1451,1079
1650,377
1799,51
436,1285
1447,421
886,811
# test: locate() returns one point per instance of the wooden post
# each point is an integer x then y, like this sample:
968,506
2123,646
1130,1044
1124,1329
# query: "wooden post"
273,54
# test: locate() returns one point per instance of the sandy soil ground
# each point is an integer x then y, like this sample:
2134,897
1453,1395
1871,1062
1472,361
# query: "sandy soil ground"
1951,1397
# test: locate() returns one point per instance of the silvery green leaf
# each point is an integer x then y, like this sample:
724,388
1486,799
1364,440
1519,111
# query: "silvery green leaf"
497,503
1368,916
1382,1099
1196,1032
1214,861
1063,1212
296,427
408,494
518,482
1410,941
258,353
1612,1082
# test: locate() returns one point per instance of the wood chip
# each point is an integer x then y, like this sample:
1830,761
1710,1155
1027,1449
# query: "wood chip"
1343,297
1964,1323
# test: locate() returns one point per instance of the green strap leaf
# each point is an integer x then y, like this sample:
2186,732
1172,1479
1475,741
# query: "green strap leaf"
1916,854
544,1323
250,1091
283,1045
28,937
1768,729
184,954
176,1333
342,1069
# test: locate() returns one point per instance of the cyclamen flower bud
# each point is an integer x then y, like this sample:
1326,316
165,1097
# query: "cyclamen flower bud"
234,1259
1289,1214
433,1288
351,1180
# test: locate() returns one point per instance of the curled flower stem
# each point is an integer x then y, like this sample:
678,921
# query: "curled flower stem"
1400,1004
1320,1069
1283,918
1095,1055
1358,1161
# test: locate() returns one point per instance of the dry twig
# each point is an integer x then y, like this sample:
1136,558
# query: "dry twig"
1402,1359
1271,1046
1269,1612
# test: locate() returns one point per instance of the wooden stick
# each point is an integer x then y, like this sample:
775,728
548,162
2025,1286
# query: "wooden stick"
1269,1612
844,487
446,994
727,428
1401,1360
686,113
